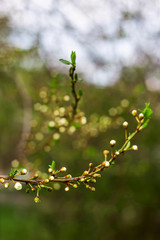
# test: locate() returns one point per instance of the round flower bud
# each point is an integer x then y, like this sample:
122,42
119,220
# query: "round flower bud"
36,199
63,169
96,175
117,153
134,147
81,179
46,180
141,116
66,189
75,185
1,180
6,185
105,152
50,170
85,172
90,165
68,176
134,113
112,143
92,189
107,164
18,186
125,124
93,180
51,178
24,171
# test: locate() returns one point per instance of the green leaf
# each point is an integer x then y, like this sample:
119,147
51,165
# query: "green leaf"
76,76
80,92
73,58
65,62
127,146
145,123
112,163
52,165
13,172
147,112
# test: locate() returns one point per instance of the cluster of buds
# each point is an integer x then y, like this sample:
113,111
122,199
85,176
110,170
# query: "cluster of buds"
89,176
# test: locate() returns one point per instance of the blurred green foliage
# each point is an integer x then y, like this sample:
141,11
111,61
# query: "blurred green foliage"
126,202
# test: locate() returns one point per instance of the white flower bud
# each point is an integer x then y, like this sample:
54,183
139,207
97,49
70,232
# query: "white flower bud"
51,178
63,169
112,143
1,180
125,124
18,186
134,113
66,189
117,153
141,116
134,147
45,180
107,164
50,170
24,171
105,152
6,185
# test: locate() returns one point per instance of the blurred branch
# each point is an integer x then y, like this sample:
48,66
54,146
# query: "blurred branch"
27,116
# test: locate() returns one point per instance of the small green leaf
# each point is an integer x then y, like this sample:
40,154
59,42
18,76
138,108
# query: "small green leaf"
52,165
73,58
112,163
76,76
13,172
145,123
65,62
80,92
147,112
127,146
